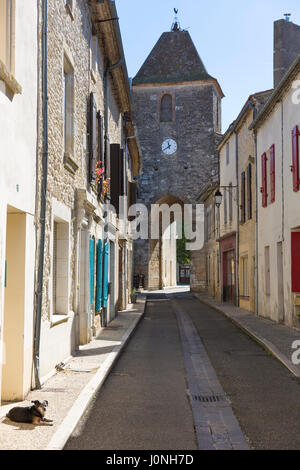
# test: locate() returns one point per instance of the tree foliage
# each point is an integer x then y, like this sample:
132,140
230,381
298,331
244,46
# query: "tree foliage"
183,255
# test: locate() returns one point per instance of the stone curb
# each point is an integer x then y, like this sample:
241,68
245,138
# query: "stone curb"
70,422
270,347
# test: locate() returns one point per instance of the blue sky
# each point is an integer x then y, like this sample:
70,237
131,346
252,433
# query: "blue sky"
234,39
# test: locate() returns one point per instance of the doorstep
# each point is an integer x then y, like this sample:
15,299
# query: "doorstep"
274,337
70,391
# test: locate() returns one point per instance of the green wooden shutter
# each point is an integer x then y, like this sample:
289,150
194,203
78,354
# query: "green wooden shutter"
99,276
105,274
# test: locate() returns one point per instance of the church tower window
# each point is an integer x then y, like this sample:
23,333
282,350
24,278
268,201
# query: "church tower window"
166,109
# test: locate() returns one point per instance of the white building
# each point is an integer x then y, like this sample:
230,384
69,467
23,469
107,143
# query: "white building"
18,140
278,198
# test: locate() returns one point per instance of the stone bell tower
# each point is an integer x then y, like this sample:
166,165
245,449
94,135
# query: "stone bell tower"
177,110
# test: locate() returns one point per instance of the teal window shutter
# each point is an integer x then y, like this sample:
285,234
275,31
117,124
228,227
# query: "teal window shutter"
105,274
99,277
92,244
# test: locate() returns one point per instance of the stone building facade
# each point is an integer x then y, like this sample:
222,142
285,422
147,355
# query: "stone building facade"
87,261
177,108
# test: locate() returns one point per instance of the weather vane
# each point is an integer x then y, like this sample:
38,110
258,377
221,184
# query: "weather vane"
176,24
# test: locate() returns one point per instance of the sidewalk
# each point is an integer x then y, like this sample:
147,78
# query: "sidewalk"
70,391
272,336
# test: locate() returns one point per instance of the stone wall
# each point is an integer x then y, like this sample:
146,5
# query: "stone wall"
70,36
184,174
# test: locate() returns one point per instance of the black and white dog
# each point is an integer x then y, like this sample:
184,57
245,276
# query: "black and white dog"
34,414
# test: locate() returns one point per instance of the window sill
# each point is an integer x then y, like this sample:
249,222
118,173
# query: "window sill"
9,79
70,164
57,319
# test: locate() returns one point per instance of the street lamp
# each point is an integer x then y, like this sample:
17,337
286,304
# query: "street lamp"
218,202
218,199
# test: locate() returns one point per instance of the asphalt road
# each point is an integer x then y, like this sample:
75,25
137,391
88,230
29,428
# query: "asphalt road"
144,403
265,396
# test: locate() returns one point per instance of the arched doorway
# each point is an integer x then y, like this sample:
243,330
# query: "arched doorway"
168,213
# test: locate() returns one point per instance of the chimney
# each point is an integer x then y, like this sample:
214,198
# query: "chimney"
286,46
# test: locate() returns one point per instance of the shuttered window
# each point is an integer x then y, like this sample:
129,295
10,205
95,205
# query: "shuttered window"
225,206
92,138
60,268
249,191
117,175
243,198
264,188
267,271
107,159
230,202
100,149
6,33
68,84
91,259
272,172
295,255
295,165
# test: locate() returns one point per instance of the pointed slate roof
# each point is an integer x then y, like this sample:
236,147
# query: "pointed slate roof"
174,58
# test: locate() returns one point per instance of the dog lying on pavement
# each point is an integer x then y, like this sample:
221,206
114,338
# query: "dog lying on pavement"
34,414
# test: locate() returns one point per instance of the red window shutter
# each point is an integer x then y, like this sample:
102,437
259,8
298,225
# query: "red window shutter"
295,252
264,188
272,172
249,190
295,166
243,198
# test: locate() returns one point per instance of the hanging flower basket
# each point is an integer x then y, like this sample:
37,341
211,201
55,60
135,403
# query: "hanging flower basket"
99,176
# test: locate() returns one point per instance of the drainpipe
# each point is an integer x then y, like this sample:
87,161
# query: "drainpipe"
237,239
282,173
256,225
39,293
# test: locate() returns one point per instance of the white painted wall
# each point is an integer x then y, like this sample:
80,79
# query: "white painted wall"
283,216
18,135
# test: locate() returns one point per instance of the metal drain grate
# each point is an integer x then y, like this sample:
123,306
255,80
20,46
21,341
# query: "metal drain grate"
53,390
209,398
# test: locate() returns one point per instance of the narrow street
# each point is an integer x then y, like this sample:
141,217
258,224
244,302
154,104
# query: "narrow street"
150,399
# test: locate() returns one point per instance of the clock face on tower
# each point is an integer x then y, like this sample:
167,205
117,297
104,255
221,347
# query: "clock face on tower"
169,146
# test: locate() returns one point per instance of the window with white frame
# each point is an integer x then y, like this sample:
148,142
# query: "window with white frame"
94,55
7,33
60,268
68,89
